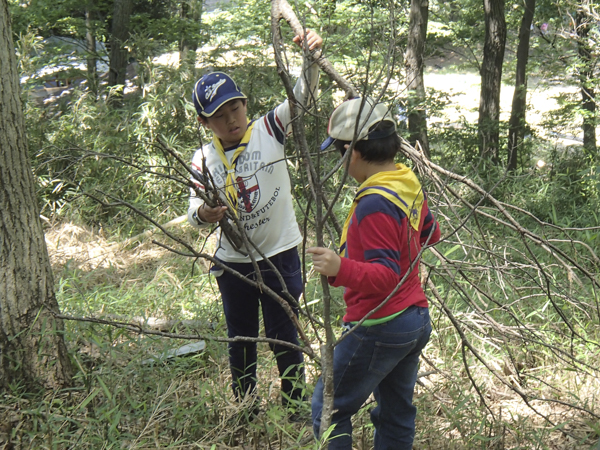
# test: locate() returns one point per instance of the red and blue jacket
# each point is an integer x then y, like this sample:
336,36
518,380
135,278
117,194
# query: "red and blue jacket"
380,248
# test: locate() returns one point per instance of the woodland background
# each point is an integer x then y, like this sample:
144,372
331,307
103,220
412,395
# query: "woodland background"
513,360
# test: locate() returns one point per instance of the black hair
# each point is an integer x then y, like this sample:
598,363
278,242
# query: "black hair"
375,150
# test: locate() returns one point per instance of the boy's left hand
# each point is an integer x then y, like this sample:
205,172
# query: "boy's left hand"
313,40
326,261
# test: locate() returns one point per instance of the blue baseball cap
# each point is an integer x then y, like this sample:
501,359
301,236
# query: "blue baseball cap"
212,91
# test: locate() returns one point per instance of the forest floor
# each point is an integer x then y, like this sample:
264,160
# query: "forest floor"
100,262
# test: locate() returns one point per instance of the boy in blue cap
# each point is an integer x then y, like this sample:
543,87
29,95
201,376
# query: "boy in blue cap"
386,228
246,160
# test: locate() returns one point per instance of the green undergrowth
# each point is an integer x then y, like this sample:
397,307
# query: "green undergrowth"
124,396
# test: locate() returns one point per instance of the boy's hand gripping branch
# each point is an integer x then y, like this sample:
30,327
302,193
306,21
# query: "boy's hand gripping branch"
281,9
213,209
325,261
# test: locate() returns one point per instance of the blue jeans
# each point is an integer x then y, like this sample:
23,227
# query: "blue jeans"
383,360
241,304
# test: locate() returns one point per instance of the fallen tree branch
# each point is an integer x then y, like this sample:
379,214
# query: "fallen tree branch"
136,328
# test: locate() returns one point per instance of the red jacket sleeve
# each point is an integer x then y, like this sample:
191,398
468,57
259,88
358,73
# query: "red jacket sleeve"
430,227
379,245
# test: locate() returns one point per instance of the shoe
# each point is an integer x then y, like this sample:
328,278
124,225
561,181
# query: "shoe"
250,408
298,410
299,417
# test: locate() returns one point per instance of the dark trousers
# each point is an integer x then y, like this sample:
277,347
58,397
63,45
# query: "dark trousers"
241,303
381,359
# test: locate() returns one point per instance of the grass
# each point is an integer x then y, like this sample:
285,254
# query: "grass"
118,401
486,285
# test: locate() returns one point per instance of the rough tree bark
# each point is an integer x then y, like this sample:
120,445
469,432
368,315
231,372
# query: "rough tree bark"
92,57
120,33
32,348
417,32
586,81
516,123
491,78
190,12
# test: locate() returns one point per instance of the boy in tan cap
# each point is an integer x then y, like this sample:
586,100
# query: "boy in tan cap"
387,226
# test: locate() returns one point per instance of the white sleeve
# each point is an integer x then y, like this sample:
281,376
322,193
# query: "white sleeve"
192,214
305,91
306,85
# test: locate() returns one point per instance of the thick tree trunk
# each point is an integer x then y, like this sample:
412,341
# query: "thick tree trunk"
417,32
586,74
92,56
491,79
120,33
516,123
192,13
32,348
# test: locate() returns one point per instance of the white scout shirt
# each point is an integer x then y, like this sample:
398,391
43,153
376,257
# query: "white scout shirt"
265,204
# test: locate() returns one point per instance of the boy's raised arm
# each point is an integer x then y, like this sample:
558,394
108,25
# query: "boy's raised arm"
307,83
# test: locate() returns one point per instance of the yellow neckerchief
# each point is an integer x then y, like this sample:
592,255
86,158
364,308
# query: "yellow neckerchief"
400,186
230,182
